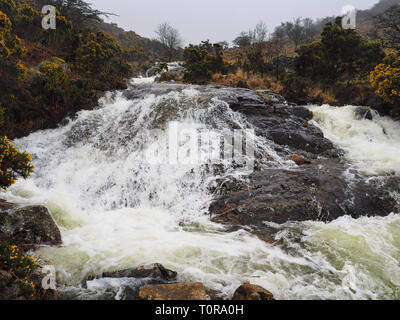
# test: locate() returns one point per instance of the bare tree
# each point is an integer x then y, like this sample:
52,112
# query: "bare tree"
260,33
296,31
310,29
170,37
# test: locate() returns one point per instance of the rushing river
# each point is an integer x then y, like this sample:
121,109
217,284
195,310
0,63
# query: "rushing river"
116,210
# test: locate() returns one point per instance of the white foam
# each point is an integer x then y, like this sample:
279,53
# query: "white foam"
372,145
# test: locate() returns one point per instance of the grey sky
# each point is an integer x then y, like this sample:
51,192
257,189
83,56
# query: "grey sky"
216,20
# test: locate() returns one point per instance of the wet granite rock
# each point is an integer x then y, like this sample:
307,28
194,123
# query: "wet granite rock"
127,283
158,272
299,160
364,113
322,188
173,292
252,292
28,226
318,191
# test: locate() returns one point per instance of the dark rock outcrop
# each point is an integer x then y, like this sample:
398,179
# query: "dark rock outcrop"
176,291
322,188
27,226
364,113
252,292
157,272
318,191
133,279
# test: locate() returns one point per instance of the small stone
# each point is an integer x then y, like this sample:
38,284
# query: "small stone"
299,160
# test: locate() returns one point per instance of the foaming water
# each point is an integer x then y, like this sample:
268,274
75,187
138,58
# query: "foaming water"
372,145
116,210
142,80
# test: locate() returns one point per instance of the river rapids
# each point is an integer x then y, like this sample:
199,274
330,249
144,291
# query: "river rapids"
117,210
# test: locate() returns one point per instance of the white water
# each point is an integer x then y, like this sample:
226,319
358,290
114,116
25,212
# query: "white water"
373,146
117,211
142,80
147,80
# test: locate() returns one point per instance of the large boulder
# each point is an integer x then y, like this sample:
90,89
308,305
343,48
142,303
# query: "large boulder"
252,292
318,191
176,291
28,226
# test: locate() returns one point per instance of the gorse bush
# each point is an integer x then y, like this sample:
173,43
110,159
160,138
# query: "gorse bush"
101,57
13,163
12,70
43,71
13,260
54,75
385,78
255,61
7,6
340,54
204,60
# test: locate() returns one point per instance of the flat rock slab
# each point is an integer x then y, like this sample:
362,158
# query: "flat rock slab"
176,291
317,191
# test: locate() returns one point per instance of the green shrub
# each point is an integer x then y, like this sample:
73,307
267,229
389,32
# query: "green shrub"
100,57
340,54
203,61
385,78
13,163
13,260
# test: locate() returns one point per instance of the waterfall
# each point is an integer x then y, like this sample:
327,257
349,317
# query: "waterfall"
118,210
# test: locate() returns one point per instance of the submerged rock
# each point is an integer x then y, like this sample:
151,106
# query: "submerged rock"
158,272
126,284
28,226
299,160
176,291
252,292
364,113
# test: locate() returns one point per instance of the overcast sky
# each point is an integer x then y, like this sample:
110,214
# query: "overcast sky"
216,20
